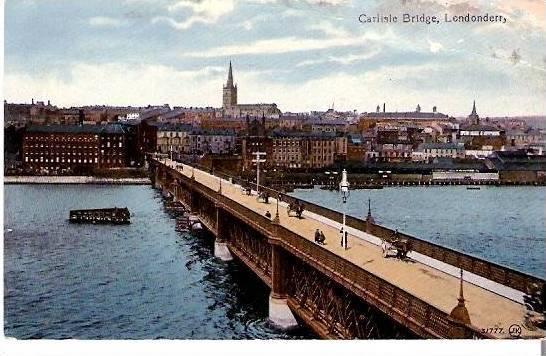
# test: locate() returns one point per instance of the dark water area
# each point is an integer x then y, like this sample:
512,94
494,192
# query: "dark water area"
137,281
505,225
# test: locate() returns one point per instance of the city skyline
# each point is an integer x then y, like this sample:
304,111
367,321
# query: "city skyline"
138,52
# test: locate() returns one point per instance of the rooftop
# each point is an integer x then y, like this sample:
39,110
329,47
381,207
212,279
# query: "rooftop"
441,146
76,129
406,115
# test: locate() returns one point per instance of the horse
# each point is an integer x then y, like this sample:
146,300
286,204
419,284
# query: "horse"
296,207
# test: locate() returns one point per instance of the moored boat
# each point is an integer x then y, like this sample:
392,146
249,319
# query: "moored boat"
114,216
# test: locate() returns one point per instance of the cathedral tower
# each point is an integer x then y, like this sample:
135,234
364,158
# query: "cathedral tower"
229,98
474,117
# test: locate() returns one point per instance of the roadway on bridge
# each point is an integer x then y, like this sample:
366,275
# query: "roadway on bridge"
440,289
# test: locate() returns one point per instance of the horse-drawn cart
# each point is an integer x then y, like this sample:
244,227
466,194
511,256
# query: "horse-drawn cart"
263,196
296,207
396,246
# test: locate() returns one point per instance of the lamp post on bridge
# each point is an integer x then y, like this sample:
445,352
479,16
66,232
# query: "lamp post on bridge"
276,219
344,190
258,160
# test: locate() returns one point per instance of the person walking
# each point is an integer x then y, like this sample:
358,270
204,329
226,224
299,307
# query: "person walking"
268,214
341,236
317,236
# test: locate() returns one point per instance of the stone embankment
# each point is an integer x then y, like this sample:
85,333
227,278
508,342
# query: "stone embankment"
73,180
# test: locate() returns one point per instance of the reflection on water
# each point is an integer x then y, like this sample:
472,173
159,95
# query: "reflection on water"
501,224
138,281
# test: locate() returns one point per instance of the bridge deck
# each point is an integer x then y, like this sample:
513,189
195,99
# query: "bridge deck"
440,289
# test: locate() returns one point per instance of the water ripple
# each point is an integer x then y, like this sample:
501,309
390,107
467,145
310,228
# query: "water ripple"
140,281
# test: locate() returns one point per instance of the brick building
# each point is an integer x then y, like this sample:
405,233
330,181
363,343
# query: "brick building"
294,149
74,149
254,140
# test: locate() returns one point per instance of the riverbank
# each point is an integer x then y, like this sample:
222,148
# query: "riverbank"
74,180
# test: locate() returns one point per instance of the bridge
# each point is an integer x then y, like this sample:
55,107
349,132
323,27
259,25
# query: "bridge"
356,292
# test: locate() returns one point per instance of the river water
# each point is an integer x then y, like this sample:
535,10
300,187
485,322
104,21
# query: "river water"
505,225
146,281
138,281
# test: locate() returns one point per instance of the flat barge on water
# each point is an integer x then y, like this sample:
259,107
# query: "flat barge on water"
115,216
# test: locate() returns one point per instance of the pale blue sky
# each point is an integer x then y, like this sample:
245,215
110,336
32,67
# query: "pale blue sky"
301,54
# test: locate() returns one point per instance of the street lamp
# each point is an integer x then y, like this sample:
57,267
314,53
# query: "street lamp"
344,190
258,160
276,220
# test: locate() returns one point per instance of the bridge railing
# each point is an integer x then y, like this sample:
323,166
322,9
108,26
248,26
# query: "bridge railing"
487,269
403,306
490,270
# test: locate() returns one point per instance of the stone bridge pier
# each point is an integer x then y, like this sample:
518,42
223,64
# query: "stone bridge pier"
279,313
220,243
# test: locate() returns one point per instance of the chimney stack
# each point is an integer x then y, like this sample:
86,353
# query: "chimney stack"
383,107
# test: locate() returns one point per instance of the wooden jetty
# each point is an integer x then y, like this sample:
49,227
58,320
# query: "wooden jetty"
101,216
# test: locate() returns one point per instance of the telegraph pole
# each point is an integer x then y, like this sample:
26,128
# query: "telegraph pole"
258,160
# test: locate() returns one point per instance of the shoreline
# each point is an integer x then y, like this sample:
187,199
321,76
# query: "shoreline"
74,180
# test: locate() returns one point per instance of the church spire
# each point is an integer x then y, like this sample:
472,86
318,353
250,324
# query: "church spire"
474,117
229,94
230,76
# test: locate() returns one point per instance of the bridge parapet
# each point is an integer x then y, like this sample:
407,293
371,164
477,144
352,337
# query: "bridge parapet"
517,280
408,310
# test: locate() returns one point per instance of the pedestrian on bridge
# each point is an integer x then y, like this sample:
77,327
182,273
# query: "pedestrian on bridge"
317,236
343,238
322,239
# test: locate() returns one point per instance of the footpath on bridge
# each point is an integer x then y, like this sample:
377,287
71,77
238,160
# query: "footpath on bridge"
486,309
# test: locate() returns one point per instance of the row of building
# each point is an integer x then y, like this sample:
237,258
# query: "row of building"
73,148
60,141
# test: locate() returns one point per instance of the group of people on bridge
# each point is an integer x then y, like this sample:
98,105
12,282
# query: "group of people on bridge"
319,237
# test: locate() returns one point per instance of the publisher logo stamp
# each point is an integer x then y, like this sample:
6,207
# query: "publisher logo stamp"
514,330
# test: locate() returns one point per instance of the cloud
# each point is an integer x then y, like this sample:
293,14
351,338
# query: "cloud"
435,47
275,46
119,84
344,60
326,2
289,44
249,24
202,11
329,29
101,21
307,2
